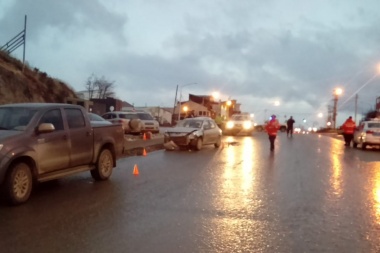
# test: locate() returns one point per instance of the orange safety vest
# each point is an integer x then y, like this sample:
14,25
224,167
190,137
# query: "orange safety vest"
349,126
272,127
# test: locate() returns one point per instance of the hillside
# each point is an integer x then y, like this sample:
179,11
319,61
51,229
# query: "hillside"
17,86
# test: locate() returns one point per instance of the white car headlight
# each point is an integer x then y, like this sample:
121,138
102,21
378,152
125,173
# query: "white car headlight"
195,134
247,124
230,124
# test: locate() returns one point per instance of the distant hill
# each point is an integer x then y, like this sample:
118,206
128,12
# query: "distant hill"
17,86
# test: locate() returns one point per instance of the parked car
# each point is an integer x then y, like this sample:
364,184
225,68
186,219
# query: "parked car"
129,120
46,141
193,133
367,134
149,124
97,120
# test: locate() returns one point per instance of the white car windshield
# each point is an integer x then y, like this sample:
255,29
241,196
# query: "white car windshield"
190,123
239,117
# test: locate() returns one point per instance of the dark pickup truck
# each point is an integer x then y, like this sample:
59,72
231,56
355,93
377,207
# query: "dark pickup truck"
41,142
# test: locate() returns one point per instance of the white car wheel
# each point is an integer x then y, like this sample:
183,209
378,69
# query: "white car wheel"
199,144
218,142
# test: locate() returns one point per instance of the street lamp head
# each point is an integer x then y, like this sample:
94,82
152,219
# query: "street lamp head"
215,95
338,91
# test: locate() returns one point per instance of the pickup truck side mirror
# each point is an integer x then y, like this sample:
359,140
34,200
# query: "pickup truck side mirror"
45,128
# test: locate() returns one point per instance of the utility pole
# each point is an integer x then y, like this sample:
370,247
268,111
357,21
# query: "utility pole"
23,54
334,112
356,106
175,104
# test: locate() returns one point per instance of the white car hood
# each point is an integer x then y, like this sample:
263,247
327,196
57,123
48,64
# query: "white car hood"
181,130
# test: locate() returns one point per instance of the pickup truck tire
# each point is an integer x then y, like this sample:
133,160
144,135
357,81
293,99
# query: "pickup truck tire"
104,165
19,183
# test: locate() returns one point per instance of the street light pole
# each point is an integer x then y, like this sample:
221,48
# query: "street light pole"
175,104
337,92
180,98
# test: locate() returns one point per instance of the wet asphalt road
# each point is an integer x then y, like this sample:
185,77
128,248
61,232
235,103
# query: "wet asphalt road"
310,195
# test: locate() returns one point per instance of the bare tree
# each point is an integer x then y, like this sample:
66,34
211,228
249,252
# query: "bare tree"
99,87
90,87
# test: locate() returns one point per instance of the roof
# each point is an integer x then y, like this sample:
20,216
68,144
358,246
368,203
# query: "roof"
39,105
199,118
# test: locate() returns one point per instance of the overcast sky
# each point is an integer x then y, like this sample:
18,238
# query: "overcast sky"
257,52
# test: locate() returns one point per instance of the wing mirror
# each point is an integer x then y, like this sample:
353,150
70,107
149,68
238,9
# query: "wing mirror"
45,128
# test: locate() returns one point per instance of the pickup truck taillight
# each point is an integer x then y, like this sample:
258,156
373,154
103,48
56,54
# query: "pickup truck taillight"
369,132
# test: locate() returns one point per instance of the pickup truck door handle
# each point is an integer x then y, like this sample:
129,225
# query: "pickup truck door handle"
89,133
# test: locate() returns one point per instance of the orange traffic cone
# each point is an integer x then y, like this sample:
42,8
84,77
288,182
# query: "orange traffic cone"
135,170
144,152
144,137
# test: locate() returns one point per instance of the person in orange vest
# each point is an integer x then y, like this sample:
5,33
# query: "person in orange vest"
348,131
272,127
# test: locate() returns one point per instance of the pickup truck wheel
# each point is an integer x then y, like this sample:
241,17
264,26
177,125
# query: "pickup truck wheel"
104,166
18,184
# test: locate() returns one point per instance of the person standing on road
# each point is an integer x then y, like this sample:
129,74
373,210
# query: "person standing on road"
289,129
348,131
272,127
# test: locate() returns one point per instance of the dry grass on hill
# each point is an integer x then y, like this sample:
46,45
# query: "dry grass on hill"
18,86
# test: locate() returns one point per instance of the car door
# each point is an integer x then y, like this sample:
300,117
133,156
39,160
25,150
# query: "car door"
207,132
52,148
214,133
80,137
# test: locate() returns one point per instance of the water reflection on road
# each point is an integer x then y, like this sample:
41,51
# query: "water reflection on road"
242,224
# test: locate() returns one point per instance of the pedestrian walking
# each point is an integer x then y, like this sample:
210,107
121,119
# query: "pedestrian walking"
272,127
289,130
348,131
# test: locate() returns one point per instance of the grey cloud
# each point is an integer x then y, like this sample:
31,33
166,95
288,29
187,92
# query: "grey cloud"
68,15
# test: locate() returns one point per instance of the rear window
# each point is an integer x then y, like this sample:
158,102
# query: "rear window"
145,116
374,125
128,116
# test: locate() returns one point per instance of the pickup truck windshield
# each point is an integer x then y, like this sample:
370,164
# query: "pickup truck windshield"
15,118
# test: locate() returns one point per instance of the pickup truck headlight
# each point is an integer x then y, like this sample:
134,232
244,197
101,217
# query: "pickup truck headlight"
247,125
1,146
230,124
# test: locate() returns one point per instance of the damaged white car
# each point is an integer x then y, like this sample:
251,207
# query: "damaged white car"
193,133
